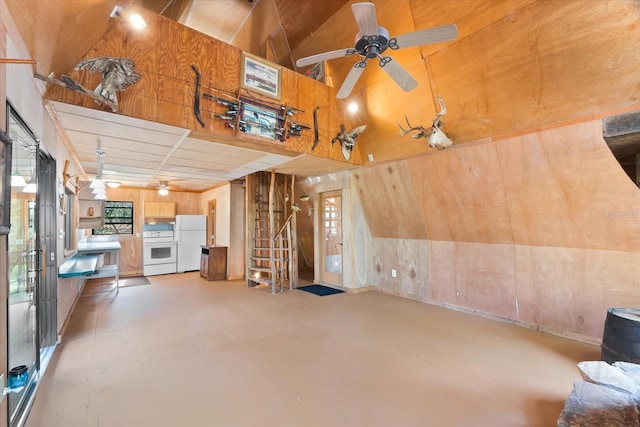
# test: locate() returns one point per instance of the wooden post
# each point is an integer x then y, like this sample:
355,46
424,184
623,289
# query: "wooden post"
272,200
293,243
250,225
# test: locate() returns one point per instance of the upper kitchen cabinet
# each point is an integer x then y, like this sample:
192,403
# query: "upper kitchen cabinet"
159,209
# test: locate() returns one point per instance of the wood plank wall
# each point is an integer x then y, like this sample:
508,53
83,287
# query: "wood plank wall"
187,203
542,228
164,54
252,36
517,66
555,61
304,222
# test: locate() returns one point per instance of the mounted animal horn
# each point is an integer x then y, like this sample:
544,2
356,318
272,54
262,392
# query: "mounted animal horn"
438,138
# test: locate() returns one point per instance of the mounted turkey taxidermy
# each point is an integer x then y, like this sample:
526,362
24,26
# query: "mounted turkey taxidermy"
372,41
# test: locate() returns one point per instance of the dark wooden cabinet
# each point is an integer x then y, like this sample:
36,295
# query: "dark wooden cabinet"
213,262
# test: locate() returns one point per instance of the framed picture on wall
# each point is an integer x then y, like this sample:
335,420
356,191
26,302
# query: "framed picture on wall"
5,183
317,72
259,76
261,120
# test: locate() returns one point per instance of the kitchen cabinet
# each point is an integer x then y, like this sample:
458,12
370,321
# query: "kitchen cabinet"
91,211
159,209
213,262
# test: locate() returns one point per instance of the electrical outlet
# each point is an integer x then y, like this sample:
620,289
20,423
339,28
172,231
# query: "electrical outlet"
393,273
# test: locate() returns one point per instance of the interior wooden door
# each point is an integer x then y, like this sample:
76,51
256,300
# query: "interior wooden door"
331,238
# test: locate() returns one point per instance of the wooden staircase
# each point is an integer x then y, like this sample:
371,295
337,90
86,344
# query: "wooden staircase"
272,257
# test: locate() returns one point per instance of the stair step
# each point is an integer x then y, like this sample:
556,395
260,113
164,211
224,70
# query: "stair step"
263,281
261,269
260,258
266,269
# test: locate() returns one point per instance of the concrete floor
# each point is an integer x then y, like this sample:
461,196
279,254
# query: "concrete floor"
187,352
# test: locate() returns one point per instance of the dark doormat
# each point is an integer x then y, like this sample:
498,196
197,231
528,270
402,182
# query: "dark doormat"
320,290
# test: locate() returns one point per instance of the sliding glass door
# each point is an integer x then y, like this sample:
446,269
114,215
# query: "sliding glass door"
31,311
23,265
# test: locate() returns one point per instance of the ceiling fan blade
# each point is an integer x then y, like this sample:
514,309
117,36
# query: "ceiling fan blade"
365,14
398,73
430,35
351,80
314,59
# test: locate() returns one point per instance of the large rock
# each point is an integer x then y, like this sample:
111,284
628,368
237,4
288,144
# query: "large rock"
632,370
593,405
599,372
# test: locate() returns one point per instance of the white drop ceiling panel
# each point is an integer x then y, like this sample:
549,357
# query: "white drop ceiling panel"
141,153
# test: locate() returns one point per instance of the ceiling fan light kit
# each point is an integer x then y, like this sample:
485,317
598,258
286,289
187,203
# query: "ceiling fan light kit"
163,188
372,41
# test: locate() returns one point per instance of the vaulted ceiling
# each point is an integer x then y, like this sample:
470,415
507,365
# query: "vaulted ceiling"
141,153
516,65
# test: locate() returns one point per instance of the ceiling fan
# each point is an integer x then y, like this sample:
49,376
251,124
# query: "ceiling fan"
372,41
163,188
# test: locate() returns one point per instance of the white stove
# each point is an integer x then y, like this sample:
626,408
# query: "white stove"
160,251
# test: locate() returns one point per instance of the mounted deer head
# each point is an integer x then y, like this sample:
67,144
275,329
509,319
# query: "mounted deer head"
437,138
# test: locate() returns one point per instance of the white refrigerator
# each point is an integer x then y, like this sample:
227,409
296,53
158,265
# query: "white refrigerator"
191,234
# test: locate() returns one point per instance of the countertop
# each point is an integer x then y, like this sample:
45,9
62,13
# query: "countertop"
98,246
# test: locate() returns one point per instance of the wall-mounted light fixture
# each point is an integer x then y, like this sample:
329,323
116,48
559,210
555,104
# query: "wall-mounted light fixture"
133,18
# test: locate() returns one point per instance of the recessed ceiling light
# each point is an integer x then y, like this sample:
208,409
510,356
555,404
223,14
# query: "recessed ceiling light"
352,107
113,184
